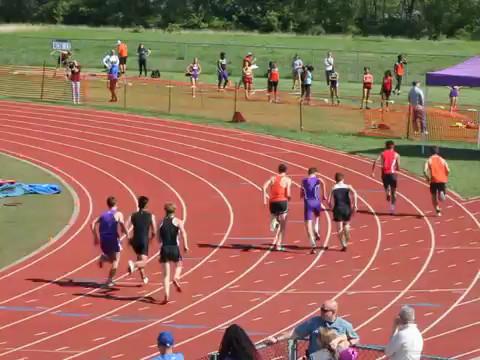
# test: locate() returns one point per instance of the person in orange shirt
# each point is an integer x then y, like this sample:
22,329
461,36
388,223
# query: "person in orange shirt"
277,192
273,78
122,50
367,87
436,172
399,69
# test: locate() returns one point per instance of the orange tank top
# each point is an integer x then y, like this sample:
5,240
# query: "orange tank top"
274,75
277,191
438,169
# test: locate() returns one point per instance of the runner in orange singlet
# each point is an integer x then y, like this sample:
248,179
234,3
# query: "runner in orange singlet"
436,172
277,192
390,163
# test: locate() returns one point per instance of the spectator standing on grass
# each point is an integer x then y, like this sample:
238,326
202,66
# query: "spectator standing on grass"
122,50
75,69
333,79
367,87
165,344
399,70
273,75
112,80
328,319
142,53
329,66
307,84
453,95
406,342
222,72
236,345
109,59
297,70
193,71
386,90
416,101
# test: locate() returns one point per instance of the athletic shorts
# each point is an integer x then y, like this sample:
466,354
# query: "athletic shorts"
387,93
248,80
222,75
123,60
109,247
140,247
311,208
170,253
278,207
367,86
389,181
272,86
308,90
342,214
438,187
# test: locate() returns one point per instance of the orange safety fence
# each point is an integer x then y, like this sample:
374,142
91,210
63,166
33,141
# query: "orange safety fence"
289,112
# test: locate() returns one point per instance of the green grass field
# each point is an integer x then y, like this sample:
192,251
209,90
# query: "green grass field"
30,221
171,53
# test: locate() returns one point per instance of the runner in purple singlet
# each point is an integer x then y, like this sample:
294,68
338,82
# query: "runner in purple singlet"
310,192
109,239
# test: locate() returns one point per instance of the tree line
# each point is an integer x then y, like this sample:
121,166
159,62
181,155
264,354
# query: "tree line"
411,18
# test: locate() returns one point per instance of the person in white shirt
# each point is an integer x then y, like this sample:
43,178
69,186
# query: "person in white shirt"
406,342
329,63
109,59
297,69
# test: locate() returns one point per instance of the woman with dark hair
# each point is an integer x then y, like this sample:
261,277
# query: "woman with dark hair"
236,345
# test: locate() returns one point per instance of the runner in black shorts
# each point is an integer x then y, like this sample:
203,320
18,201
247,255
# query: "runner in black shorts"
341,199
169,231
143,223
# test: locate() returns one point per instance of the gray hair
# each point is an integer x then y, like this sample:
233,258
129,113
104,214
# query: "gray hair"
407,314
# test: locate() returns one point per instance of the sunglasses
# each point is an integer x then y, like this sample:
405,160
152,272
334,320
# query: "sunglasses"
325,309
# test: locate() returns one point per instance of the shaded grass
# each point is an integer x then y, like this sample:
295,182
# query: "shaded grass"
35,218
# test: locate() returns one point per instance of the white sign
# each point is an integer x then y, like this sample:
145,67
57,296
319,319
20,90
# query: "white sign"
61,45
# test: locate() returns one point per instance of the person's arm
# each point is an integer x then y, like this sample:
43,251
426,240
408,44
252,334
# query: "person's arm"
289,188
398,162
183,233
330,200
302,192
354,197
375,164
199,68
394,344
96,240
121,222
426,170
265,192
324,189
421,98
153,228
447,167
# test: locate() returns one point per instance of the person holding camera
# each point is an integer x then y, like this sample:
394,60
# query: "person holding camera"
142,53
75,70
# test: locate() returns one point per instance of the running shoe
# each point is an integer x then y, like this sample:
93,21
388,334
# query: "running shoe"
145,280
110,283
313,251
274,224
177,285
392,209
344,248
279,248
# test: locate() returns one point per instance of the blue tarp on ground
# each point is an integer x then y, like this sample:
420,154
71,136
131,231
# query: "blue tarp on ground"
19,189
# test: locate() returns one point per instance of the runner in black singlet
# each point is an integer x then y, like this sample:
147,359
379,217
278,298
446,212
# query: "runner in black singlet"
143,223
343,201
168,233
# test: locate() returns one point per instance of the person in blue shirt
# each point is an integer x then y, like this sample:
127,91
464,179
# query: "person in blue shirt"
113,79
165,343
328,319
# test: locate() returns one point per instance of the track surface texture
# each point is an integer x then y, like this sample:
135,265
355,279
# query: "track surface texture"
52,308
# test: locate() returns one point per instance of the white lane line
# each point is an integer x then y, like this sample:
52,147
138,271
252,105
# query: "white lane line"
285,311
226,306
41,333
200,313
99,339
257,318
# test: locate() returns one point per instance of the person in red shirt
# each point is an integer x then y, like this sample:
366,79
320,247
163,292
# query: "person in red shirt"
277,192
273,79
390,163
75,80
386,90
367,87
399,69
436,172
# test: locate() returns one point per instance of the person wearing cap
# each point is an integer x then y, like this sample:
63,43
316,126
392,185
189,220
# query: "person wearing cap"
165,344
416,101
122,50
310,328
406,342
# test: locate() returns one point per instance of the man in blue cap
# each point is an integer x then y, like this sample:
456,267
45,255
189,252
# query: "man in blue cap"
165,346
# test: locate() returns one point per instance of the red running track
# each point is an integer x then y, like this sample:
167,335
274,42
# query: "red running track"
53,309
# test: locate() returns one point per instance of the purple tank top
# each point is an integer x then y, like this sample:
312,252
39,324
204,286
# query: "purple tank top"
108,226
311,188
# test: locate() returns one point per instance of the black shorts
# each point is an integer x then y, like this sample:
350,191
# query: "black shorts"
140,247
342,214
389,181
272,86
278,207
170,253
438,187
123,60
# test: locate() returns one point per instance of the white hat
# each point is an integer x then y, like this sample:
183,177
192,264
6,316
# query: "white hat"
119,42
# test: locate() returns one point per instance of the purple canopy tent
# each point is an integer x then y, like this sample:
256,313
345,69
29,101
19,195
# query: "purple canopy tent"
466,73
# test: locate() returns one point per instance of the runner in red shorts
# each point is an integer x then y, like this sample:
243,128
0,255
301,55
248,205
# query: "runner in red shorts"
390,163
